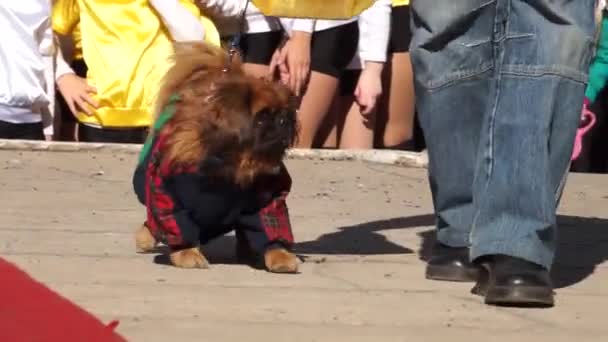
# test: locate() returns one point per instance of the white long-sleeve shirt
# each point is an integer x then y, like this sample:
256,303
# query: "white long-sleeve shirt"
182,25
311,25
374,33
255,20
26,63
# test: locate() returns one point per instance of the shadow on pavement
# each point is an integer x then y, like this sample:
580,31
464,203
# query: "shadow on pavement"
364,238
583,244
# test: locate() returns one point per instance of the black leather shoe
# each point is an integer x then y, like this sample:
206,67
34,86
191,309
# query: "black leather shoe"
451,264
509,281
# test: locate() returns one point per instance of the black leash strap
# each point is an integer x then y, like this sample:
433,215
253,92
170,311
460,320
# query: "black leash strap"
235,42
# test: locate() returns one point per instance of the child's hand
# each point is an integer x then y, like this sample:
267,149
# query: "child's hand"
298,60
369,87
587,122
295,57
77,93
278,68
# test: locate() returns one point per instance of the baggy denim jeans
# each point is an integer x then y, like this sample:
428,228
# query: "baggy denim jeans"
499,88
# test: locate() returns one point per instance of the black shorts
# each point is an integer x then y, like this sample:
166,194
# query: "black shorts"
348,81
258,48
401,33
80,69
22,131
331,49
112,135
334,48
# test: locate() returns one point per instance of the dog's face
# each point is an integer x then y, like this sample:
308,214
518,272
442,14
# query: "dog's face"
254,119
274,130
242,125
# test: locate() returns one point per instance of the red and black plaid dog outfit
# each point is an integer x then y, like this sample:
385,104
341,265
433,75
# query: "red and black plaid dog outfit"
185,208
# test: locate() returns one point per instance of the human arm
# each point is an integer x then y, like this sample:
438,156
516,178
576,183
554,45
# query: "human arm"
598,71
369,87
374,31
46,50
183,24
374,28
227,8
293,58
76,92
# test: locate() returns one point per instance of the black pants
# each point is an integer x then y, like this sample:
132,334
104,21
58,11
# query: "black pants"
112,135
23,131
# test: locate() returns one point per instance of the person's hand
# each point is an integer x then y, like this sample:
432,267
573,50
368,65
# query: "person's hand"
77,93
295,59
369,87
278,67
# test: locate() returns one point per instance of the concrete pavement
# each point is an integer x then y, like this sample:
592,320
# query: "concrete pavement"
67,219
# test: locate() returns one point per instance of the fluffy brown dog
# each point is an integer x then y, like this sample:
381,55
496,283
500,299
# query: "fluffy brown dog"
213,163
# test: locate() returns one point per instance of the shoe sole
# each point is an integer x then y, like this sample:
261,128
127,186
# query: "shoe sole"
519,296
446,273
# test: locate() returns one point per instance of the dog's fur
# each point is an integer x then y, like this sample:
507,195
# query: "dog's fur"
218,116
209,83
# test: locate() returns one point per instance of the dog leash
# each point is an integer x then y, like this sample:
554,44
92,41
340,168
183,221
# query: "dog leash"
235,41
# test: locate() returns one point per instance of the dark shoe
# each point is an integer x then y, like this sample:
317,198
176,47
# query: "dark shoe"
509,281
451,264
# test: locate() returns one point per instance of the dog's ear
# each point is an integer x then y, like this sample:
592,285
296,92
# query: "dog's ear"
212,118
193,62
267,94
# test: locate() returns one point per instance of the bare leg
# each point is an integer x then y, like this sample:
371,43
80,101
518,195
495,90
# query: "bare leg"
357,130
328,133
396,112
315,105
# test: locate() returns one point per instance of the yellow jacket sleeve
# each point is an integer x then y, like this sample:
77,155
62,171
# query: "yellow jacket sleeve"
65,16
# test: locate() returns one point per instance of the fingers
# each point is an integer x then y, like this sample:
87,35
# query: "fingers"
302,77
365,100
71,105
293,81
88,99
274,65
298,75
82,104
91,89
284,74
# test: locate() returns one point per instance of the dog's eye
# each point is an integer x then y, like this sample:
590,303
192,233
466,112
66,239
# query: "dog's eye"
262,116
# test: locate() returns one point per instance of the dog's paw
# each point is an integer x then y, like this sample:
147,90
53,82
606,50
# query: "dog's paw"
280,261
189,258
144,241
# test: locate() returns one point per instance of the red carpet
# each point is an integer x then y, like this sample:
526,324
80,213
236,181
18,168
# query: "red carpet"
29,311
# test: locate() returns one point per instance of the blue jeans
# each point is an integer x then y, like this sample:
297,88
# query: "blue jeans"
499,89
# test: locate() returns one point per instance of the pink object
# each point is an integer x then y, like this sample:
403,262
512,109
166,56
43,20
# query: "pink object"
587,122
